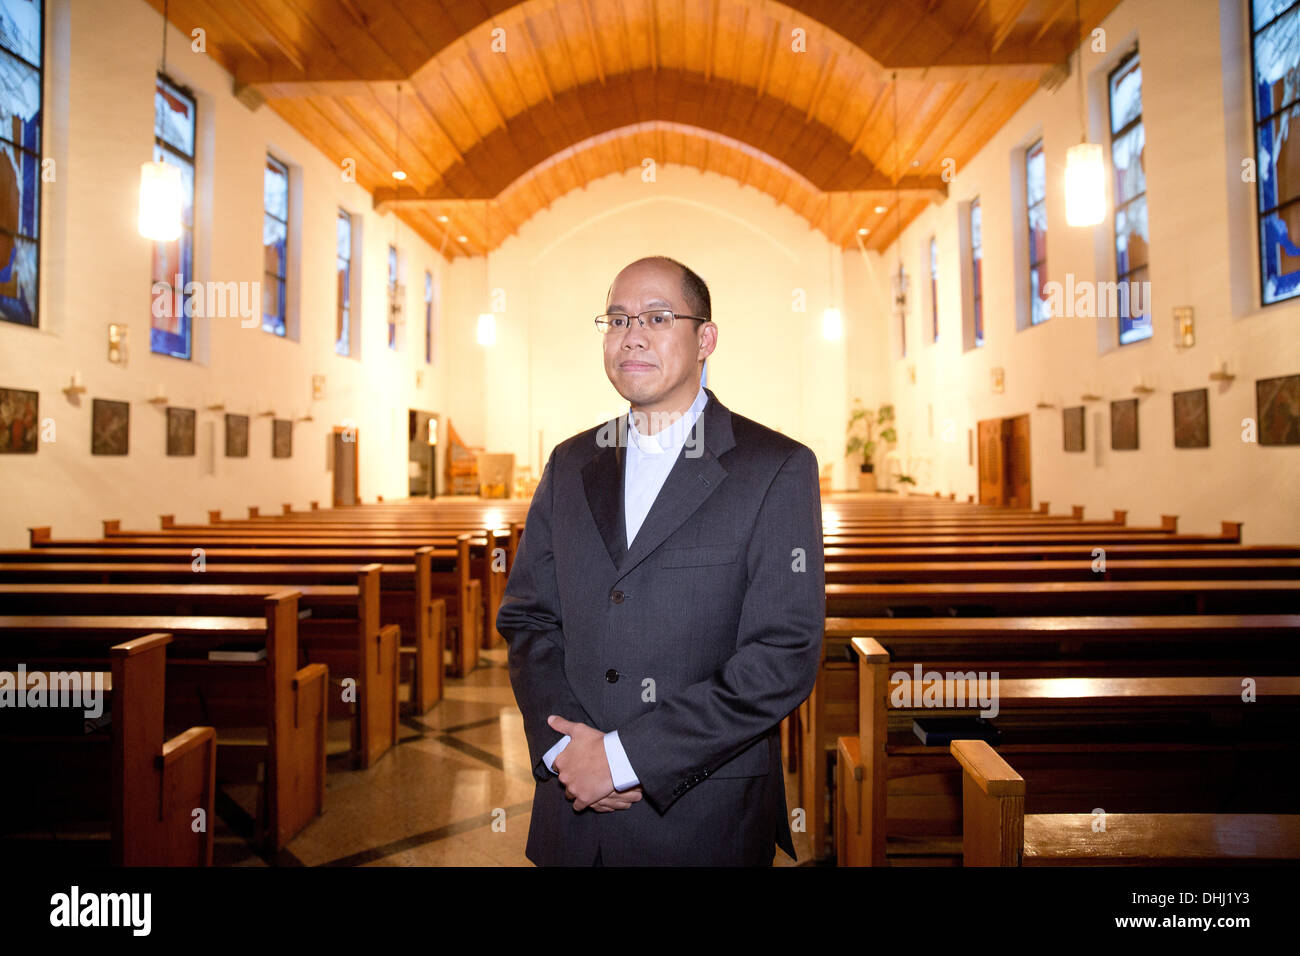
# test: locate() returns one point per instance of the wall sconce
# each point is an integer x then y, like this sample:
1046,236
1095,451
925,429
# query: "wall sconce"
1220,372
159,396
1184,327
999,380
487,329
74,387
117,343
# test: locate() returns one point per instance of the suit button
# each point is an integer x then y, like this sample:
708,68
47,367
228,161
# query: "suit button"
611,675
616,597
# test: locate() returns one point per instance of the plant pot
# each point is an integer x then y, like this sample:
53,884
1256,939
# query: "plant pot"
866,478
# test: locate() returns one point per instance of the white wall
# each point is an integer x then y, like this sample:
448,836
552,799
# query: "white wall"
1203,254
546,375
101,59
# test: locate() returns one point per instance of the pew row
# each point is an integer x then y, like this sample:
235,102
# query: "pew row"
996,831
269,713
1129,744
146,785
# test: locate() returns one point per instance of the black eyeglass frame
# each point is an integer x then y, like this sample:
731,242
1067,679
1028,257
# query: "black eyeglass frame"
675,315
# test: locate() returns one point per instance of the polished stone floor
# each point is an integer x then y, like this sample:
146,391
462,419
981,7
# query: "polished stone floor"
433,799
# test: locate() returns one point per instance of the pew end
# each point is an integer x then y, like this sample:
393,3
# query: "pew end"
993,806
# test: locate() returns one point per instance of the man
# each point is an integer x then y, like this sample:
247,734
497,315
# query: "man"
665,609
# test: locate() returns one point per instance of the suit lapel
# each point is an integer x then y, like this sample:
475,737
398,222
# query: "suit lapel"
602,479
687,487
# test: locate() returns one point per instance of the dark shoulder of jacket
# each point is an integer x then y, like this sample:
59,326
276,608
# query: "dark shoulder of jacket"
762,444
580,447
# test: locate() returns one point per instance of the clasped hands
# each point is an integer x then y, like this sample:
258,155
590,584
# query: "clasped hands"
584,769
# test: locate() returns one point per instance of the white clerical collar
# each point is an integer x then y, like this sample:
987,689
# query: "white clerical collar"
672,437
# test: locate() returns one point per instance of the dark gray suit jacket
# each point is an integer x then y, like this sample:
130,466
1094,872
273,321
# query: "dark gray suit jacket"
693,645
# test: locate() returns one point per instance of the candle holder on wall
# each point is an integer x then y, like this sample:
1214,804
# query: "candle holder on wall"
1184,327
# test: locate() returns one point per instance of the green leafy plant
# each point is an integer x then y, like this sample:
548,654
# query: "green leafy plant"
867,429
905,480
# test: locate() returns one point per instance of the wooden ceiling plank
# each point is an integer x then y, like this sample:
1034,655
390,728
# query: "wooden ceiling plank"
536,57
1051,18
827,68
1008,23
595,46
273,33
214,15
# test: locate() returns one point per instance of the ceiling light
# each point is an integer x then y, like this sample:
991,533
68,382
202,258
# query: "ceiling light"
462,238
880,209
399,175
863,231
444,219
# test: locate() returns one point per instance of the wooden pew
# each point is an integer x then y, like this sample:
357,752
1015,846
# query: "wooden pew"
1109,740
485,547
154,784
338,626
1026,647
1024,572
1066,597
997,832
283,703
448,577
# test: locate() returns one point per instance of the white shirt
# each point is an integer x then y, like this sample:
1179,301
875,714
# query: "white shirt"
649,460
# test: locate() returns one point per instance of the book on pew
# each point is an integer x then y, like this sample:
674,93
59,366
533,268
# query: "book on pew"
233,653
941,731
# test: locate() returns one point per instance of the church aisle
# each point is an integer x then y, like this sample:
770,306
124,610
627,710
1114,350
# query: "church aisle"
432,801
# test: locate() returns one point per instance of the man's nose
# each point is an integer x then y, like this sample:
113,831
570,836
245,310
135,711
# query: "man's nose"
635,334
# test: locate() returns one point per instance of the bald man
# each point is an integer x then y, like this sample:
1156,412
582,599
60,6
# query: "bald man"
666,606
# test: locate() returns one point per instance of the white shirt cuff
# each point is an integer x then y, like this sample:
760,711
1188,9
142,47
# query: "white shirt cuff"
548,758
620,770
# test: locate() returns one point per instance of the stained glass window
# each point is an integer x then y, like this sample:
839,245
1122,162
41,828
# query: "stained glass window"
1036,213
976,269
428,318
1275,45
173,262
21,46
343,266
392,297
1127,144
275,244
934,290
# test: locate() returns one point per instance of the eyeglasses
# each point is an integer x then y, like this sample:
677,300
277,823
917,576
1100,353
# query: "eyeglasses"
656,320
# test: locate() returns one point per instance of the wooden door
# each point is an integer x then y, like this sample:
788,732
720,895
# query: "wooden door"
1017,486
990,462
346,491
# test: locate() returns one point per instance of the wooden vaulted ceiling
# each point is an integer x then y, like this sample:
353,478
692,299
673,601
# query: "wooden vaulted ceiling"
585,88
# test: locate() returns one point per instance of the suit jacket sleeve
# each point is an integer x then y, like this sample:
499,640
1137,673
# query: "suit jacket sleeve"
778,649
529,620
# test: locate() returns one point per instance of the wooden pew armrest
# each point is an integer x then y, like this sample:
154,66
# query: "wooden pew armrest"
985,768
184,744
869,649
312,674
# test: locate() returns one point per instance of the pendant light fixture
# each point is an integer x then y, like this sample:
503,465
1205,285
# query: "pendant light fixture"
161,191
1085,170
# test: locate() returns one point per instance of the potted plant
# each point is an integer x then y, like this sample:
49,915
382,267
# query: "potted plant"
866,428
